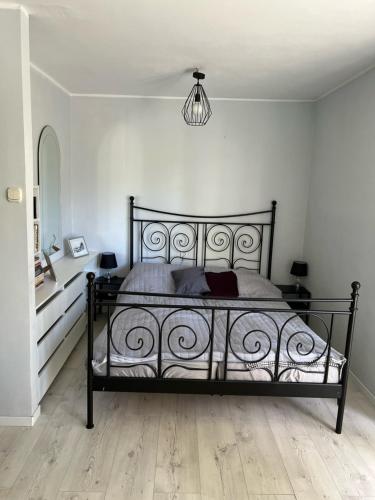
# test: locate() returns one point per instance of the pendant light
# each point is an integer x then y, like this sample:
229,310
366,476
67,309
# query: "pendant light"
197,109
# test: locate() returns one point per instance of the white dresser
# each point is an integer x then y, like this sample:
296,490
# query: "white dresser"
61,315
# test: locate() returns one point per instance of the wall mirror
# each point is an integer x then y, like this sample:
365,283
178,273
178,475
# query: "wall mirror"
50,189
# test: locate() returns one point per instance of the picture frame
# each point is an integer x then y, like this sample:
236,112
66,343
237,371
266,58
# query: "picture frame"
78,247
49,266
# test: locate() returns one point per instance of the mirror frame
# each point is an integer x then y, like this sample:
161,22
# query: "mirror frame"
49,130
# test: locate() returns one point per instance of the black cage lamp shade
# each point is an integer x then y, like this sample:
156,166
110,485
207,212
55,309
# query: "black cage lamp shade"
299,268
108,260
197,109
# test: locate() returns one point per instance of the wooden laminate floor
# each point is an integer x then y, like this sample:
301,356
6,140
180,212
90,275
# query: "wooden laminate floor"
177,447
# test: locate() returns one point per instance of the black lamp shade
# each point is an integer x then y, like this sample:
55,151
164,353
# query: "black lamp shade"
299,268
108,260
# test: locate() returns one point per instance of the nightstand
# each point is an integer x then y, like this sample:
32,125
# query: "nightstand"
290,292
104,289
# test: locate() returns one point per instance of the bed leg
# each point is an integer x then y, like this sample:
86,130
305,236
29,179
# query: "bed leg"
90,409
90,339
340,415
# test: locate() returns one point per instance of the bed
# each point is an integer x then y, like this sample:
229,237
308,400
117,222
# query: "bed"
157,341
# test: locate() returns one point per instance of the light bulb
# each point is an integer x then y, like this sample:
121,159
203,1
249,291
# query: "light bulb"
197,108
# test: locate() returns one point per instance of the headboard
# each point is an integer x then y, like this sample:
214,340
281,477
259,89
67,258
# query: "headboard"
237,241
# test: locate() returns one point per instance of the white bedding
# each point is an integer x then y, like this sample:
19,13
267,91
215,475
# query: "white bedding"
194,369
135,332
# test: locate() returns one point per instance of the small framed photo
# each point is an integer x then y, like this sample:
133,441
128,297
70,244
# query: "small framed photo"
78,246
49,266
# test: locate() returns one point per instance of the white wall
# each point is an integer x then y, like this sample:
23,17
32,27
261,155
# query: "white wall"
248,154
18,390
340,228
51,106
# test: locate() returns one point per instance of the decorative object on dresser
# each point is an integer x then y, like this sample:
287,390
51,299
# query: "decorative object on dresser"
78,246
49,268
291,292
197,109
158,341
105,290
299,270
108,261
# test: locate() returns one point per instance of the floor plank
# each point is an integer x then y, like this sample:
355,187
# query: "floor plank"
80,495
133,470
212,406
16,446
146,404
44,469
91,464
221,470
272,497
357,498
177,467
349,471
262,463
359,427
176,496
307,472
54,453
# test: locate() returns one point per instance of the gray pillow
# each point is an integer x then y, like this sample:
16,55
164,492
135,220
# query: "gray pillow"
190,281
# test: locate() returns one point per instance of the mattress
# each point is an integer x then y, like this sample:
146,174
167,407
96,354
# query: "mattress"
192,370
289,372
185,333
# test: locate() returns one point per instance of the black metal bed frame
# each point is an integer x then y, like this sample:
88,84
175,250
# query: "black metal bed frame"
201,240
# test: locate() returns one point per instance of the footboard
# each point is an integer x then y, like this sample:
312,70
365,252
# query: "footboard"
169,333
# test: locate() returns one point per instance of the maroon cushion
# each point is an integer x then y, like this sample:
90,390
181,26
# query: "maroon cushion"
222,284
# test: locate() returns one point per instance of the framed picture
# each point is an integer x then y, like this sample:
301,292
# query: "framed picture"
49,266
78,246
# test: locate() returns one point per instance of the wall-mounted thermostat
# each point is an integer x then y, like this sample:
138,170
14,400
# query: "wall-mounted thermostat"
14,194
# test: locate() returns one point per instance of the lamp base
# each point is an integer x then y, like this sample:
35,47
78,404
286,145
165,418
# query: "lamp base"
108,276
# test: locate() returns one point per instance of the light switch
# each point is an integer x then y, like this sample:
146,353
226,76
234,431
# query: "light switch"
14,194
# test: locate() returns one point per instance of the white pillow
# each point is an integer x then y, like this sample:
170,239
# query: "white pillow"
252,284
151,278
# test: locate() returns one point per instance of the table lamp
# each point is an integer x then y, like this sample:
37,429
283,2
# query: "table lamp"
108,261
299,269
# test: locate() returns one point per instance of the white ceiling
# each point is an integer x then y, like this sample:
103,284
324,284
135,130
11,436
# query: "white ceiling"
271,49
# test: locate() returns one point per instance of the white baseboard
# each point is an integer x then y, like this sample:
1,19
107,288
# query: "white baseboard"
361,386
20,421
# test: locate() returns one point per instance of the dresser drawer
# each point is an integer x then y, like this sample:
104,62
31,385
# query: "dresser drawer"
74,289
50,342
52,368
50,314
74,312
